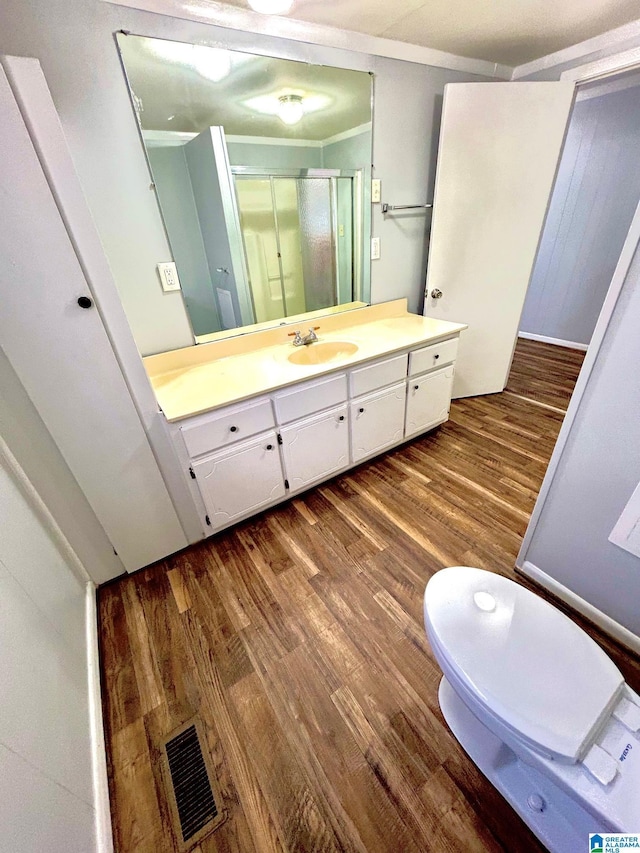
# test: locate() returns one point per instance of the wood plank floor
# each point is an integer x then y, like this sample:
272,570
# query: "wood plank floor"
298,639
544,373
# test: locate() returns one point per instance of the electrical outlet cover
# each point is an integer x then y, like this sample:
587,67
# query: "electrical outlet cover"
169,276
375,248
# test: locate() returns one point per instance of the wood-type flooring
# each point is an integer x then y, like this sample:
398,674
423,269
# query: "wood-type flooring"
297,637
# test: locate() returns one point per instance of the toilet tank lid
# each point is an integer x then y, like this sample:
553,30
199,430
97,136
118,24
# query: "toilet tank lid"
527,662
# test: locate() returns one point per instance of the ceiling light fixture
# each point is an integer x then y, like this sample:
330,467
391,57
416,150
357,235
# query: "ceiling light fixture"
270,105
271,7
290,108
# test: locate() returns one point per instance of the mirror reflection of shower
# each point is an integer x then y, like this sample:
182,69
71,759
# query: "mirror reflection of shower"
298,235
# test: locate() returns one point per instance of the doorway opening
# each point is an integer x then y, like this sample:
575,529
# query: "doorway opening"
593,201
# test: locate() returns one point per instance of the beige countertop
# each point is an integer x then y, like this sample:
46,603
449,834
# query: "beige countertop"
197,379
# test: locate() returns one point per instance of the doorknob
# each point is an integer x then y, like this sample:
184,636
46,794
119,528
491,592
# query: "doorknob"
435,293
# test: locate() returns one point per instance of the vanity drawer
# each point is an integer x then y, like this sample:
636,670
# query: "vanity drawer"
226,426
436,355
378,375
310,397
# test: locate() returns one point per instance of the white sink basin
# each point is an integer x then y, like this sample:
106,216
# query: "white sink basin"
323,352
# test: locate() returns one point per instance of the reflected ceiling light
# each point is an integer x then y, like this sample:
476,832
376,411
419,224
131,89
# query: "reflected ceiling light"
271,7
290,108
212,63
271,104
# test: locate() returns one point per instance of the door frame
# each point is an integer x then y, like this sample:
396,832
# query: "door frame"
609,67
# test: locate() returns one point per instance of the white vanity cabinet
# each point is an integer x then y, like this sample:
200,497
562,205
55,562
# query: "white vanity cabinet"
428,401
250,455
316,447
429,387
377,421
241,479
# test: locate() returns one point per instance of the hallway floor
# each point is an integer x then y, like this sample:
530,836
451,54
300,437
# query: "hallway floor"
297,638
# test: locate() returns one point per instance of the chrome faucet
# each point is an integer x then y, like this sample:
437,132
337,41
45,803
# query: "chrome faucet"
299,341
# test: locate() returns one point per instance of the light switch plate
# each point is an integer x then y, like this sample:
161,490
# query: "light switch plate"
169,276
375,248
376,191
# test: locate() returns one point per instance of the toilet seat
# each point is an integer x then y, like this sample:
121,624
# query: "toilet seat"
523,661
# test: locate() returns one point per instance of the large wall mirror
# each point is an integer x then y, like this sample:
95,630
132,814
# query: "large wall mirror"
262,170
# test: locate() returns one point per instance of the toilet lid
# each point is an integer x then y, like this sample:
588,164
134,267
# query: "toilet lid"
527,662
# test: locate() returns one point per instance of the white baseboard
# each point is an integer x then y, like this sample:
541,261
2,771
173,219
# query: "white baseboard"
104,834
606,623
557,342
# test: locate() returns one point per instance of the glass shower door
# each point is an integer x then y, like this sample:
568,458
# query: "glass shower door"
299,242
290,243
259,233
317,241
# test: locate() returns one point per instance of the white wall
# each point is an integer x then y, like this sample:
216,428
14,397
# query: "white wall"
176,197
597,473
600,465
30,442
593,201
267,156
46,792
74,41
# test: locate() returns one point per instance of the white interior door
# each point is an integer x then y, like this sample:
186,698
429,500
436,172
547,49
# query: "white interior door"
214,195
64,359
500,144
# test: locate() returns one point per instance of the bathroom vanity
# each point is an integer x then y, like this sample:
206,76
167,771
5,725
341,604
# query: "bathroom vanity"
255,420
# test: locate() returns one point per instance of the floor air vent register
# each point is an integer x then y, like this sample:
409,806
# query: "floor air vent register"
194,809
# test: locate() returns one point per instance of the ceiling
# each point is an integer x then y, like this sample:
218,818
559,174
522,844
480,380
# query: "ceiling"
510,32
174,96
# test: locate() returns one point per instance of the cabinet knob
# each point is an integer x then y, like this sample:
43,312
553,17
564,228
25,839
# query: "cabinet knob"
415,387
269,446
85,302
341,418
436,356
361,410
233,429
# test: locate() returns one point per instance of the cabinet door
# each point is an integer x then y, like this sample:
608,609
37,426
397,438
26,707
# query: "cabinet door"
315,447
239,480
377,421
428,400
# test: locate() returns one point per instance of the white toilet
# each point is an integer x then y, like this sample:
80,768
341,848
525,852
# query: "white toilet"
539,707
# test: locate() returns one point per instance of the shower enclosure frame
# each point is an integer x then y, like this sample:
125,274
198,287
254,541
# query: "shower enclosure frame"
357,225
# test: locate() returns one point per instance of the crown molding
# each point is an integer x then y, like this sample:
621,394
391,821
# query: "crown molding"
273,140
348,134
612,42
230,17
608,65
174,138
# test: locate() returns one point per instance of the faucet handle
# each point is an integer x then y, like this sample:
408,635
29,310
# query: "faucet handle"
297,337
